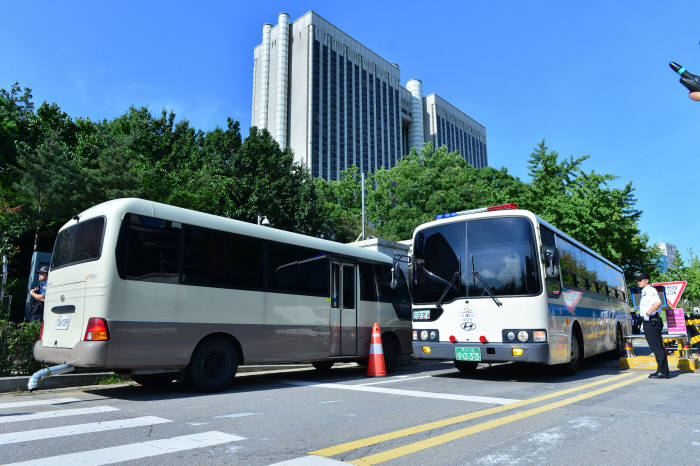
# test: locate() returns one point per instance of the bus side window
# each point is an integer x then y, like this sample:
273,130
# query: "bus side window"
149,249
368,288
553,284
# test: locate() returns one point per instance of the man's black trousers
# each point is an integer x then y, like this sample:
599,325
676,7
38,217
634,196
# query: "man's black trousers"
652,332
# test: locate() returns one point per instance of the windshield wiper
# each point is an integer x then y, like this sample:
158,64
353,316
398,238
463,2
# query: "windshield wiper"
486,287
449,286
450,283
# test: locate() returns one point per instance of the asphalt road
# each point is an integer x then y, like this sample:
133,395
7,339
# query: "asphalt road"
425,413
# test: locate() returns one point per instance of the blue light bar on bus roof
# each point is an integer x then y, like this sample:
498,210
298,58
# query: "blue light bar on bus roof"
474,211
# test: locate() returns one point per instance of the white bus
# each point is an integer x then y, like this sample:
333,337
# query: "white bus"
161,292
500,284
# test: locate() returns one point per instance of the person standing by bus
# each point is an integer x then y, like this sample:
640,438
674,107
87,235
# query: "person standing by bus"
649,310
36,311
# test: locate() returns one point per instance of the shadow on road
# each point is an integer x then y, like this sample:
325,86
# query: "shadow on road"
346,373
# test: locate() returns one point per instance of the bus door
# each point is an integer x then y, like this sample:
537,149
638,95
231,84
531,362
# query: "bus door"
343,319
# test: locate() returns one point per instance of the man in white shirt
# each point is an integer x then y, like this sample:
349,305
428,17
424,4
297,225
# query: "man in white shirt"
649,310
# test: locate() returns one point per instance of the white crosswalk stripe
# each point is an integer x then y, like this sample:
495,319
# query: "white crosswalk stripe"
55,414
52,432
24,404
136,451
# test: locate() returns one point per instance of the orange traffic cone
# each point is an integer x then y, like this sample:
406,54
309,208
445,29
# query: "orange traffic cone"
376,367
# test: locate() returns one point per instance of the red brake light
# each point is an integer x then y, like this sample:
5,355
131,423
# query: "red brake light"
502,207
41,332
452,339
96,330
482,339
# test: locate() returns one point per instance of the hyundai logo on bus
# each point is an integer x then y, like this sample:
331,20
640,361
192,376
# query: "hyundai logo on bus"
468,326
480,209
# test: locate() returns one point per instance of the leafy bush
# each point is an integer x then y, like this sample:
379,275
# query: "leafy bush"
16,345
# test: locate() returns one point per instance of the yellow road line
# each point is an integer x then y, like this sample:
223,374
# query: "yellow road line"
448,437
343,447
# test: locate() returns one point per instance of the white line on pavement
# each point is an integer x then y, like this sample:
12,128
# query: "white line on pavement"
395,380
51,432
237,415
135,451
309,460
22,404
396,391
55,414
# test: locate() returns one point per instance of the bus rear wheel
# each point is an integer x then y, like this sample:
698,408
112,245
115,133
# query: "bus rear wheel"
213,365
466,367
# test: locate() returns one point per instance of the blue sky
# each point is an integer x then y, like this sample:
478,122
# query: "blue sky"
589,77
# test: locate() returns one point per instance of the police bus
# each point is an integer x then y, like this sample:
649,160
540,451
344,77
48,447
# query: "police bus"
162,292
500,284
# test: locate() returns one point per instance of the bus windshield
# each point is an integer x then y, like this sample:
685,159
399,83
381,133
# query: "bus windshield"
81,242
501,251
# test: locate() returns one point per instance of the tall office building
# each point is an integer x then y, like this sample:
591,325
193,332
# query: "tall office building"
336,103
669,254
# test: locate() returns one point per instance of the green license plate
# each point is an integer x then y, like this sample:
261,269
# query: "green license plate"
468,354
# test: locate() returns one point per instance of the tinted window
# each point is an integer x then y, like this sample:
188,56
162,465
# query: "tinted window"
203,254
348,287
438,253
368,289
314,272
149,249
221,259
81,242
281,268
502,251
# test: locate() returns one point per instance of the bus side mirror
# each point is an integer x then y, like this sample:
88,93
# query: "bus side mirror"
550,257
395,274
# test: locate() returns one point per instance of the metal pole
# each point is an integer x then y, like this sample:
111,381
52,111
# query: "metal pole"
4,280
363,205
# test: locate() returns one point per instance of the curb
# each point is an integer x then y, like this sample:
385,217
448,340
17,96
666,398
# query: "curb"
10,384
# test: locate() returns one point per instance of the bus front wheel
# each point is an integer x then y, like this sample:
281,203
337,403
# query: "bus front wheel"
576,355
466,367
213,365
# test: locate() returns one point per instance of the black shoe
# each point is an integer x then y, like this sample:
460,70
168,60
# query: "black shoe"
658,375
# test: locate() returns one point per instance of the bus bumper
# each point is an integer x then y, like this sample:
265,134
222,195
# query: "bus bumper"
490,352
83,354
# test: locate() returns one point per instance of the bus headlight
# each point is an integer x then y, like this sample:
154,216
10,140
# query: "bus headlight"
510,335
424,335
433,335
523,336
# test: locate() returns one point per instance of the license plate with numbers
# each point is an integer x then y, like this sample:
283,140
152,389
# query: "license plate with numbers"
63,321
468,354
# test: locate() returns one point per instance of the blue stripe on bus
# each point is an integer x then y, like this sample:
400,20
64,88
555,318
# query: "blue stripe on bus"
558,310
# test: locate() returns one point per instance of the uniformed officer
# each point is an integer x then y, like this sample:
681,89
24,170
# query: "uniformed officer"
649,310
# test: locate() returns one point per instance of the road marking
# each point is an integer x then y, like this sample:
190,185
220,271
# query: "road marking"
22,404
237,415
135,451
51,432
55,414
343,447
397,391
309,460
461,433
403,377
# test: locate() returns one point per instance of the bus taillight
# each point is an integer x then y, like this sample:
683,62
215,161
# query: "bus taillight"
41,331
96,330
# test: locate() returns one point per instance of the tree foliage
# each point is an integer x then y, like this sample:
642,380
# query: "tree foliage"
53,166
